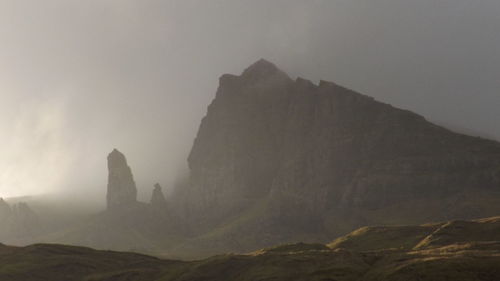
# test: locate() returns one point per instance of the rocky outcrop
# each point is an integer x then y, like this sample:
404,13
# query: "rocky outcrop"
122,191
25,222
323,154
158,200
5,211
19,222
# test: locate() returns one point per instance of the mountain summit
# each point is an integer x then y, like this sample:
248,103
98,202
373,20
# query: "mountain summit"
262,69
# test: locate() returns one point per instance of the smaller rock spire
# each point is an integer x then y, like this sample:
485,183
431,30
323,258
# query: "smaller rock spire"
158,199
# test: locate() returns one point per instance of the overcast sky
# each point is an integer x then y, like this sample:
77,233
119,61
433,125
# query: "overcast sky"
79,78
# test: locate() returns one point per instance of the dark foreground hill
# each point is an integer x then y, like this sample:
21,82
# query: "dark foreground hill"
457,250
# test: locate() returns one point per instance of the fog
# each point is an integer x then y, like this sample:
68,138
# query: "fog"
79,78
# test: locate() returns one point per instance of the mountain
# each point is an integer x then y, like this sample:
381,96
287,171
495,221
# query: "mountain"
280,160
455,250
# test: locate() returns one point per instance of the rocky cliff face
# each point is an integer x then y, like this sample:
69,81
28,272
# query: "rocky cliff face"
121,185
323,154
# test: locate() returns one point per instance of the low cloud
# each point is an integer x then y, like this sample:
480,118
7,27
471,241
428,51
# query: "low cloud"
37,155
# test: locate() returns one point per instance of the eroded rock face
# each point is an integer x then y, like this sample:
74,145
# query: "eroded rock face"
316,151
158,199
122,190
236,152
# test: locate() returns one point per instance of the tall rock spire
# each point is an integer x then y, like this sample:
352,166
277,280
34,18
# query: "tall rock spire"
121,185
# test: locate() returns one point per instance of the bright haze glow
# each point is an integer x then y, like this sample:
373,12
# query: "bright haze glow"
79,78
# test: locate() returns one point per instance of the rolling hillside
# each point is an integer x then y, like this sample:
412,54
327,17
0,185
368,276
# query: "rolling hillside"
456,250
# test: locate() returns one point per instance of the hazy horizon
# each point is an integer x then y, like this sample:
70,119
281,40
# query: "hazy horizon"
80,78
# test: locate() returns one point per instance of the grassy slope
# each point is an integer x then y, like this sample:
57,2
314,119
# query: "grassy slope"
457,250
389,237
239,235
57,262
242,234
